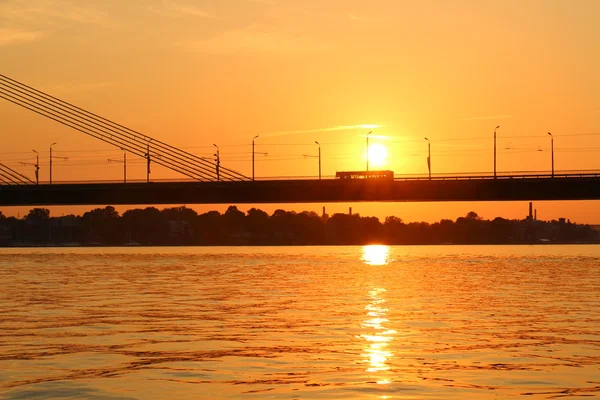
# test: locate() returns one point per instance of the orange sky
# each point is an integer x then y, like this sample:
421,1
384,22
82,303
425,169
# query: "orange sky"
194,73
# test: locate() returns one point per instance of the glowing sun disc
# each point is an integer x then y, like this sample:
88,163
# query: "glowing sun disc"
377,155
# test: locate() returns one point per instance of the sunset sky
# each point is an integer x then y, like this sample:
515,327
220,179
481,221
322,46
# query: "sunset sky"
194,73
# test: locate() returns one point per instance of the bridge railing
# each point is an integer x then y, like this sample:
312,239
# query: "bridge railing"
505,175
398,177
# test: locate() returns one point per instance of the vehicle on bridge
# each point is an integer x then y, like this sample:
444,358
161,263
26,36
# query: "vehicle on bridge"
385,175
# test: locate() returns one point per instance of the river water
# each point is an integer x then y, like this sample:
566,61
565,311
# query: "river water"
374,322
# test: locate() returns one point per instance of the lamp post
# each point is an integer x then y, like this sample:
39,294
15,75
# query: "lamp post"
37,167
318,144
148,163
368,153
552,146
51,162
218,161
253,139
429,157
495,151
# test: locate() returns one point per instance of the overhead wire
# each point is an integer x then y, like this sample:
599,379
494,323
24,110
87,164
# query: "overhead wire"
110,132
198,167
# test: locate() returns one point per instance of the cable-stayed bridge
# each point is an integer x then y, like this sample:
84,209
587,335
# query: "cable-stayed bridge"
210,183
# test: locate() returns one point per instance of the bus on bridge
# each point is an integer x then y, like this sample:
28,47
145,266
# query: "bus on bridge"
385,175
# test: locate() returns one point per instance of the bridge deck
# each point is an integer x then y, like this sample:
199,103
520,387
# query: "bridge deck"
302,191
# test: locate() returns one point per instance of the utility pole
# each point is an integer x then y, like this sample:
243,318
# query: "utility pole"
495,151
429,157
319,157
255,137
148,163
36,166
368,153
318,144
552,146
51,162
217,161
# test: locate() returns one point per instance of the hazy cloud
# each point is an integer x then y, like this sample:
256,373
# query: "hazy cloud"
48,12
355,17
176,9
505,116
330,129
250,40
25,21
10,36
265,2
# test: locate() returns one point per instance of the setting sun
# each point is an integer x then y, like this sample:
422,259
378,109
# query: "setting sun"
213,199
377,155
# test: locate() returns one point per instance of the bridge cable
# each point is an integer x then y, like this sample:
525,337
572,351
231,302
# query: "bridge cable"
117,135
14,177
103,135
83,113
140,150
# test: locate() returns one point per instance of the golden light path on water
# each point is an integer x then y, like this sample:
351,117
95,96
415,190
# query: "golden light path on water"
377,337
376,254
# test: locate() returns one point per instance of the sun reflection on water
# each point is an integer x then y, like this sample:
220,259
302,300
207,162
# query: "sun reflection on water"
376,255
377,337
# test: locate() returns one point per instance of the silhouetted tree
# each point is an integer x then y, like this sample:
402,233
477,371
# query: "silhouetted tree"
180,214
371,229
101,225
147,226
208,228
38,215
181,221
308,228
472,215
344,229
233,224
181,225
417,233
37,225
394,230
257,224
282,227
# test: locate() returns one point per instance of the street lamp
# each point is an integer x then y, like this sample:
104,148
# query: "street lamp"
37,167
148,162
429,157
368,153
218,161
318,144
51,162
552,146
495,151
254,138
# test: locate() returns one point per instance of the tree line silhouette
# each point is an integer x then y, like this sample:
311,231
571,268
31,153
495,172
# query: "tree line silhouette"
184,226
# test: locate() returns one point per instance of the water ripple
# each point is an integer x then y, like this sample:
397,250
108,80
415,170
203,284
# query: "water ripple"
322,322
